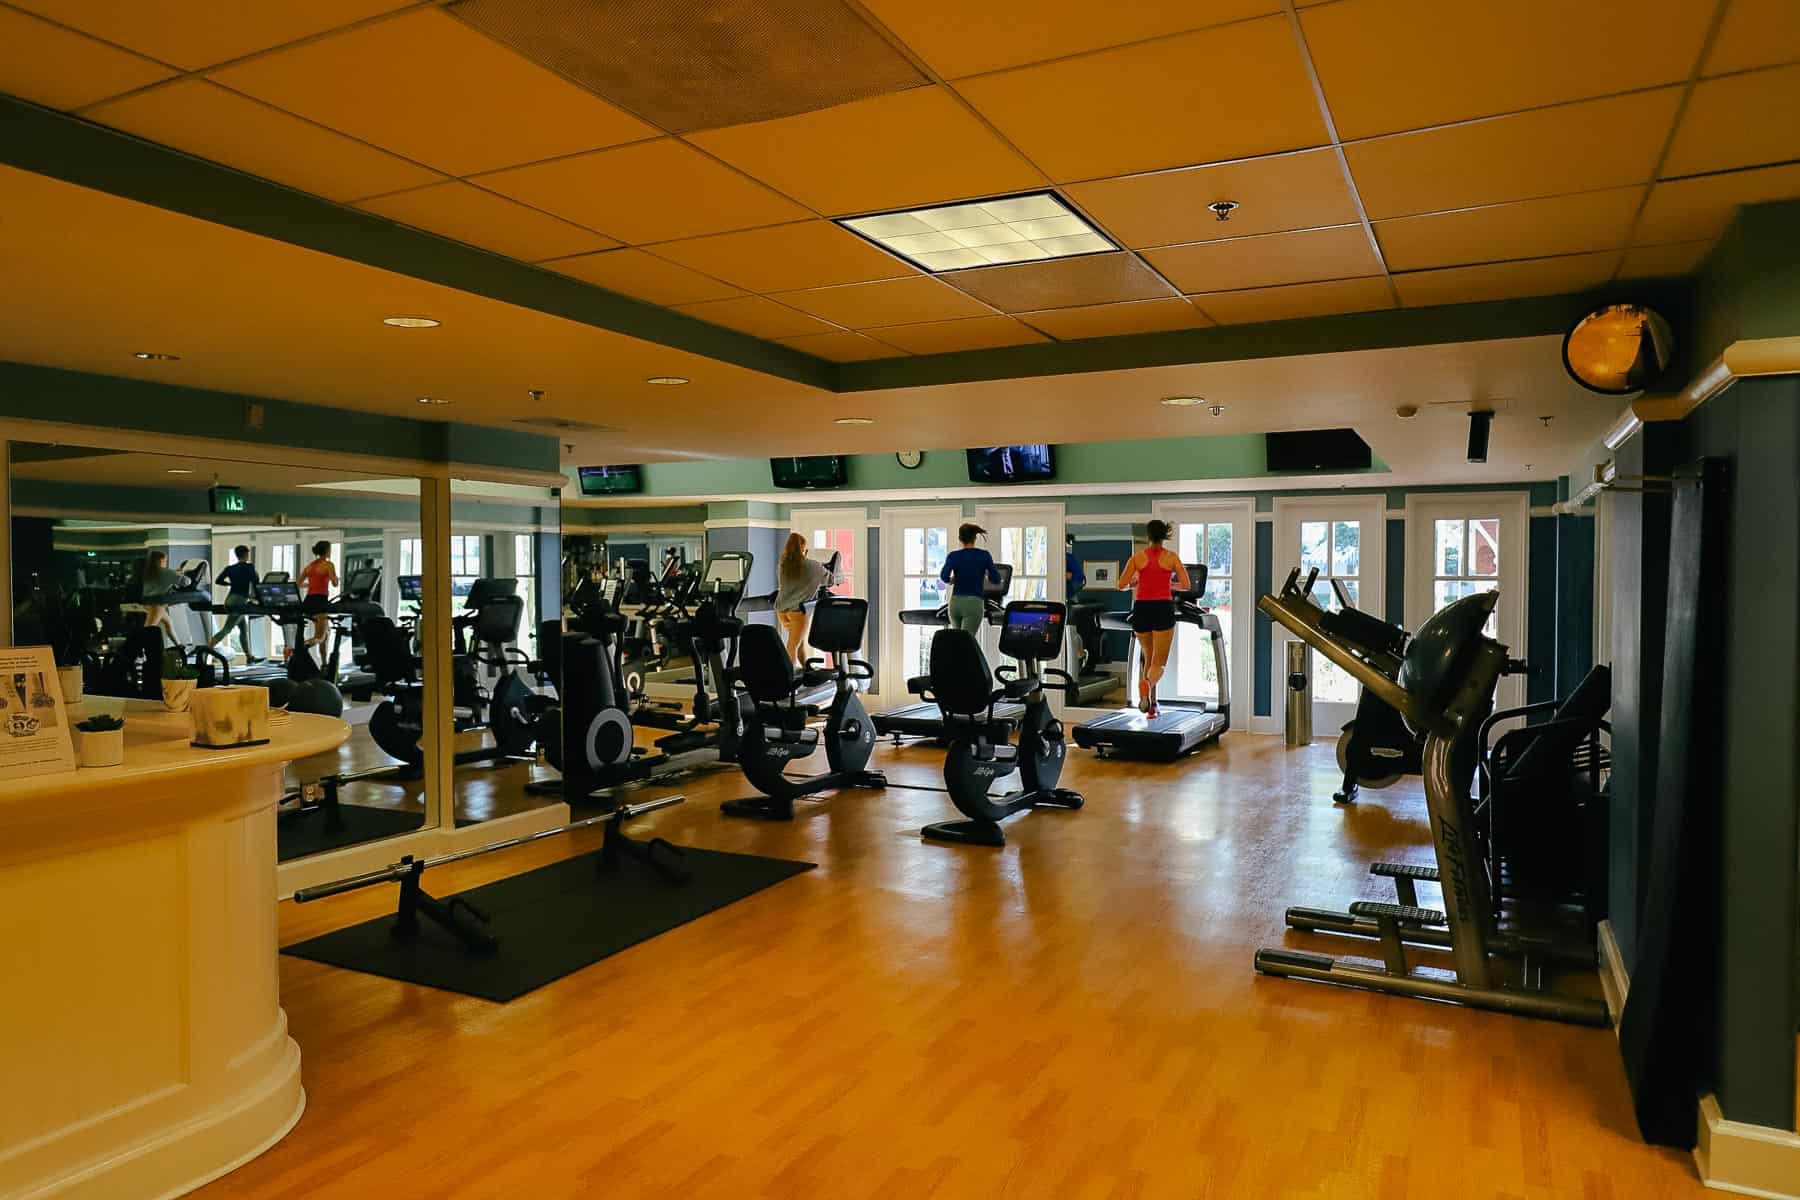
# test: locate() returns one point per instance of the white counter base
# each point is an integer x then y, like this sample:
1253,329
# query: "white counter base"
146,1050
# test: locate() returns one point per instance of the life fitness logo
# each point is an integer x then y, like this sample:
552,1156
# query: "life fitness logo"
986,772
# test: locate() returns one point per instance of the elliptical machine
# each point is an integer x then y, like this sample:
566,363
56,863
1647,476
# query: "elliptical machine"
776,731
981,750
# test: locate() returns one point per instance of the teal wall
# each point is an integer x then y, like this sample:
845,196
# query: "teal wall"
1231,456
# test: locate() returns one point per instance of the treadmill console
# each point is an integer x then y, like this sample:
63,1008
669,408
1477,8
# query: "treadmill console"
1033,631
277,593
412,588
992,589
1197,583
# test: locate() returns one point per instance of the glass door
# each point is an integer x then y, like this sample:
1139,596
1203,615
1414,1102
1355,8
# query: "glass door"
843,530
1460,544
1344,539
1216,533
914,542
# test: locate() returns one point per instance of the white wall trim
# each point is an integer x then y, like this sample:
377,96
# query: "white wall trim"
1172,489
746,523
1615,980
664,527
1751,1160
1119,518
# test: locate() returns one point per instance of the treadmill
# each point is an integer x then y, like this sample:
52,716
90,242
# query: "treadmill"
1086,650
1182,726
923,718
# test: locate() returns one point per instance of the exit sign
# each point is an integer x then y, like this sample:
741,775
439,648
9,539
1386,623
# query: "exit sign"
227,500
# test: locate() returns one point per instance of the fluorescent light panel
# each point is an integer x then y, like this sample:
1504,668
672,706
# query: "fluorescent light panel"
987,233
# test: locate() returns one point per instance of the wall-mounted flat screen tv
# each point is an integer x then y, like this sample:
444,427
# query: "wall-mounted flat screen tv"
1316,450
809,471
1012,464
611,481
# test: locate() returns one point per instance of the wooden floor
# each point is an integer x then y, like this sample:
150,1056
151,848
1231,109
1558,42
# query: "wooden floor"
1073,1016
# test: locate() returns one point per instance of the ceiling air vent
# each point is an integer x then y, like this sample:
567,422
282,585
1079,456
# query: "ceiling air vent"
566,425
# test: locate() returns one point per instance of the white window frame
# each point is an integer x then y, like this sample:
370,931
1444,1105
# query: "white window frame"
1371,592
806,521
1423,511
894,518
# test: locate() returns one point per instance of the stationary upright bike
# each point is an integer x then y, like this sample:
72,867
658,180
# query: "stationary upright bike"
981,749
776,732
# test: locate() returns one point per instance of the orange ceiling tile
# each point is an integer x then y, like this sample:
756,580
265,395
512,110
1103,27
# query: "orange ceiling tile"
468,214
839,346
643,275
888,302
209,121
1389,65
1217,94
646,192
786,258
60,69
1282,192
1549,151
756,316
1506,281
911,148
960,38
192,36
1267,261
1296,300
1756,33
1664,262
1110,320
1526,229
1739,121
1700,208
947,337
425,85
1062,283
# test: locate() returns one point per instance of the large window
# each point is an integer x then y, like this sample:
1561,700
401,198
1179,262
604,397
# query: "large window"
1465,560
1027,548
412,556
465,562
1334,549
525,571
1195,669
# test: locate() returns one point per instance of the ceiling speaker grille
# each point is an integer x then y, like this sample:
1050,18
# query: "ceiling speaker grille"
702,64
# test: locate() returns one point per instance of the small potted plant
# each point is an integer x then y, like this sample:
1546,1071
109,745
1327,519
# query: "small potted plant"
101,741
179,679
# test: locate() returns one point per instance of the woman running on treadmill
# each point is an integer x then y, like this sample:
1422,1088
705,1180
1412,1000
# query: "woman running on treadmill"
155,582
317,580
967,571
799,579
1155,571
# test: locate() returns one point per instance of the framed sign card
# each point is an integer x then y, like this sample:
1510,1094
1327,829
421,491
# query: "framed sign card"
34,721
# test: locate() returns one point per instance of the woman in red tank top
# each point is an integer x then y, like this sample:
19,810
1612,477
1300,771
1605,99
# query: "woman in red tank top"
317,578
1155,572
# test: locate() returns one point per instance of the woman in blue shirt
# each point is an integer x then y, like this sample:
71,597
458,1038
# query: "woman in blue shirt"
967,571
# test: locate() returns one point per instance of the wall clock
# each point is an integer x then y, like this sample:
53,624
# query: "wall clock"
910,459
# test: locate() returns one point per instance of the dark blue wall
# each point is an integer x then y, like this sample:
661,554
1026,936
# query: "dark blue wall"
1261,701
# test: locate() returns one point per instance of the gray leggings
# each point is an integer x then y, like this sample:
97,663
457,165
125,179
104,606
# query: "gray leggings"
967,612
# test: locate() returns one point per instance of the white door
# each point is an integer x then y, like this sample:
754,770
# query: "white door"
914,542
1218,534
845,530
1460,544
1029,537
1345,539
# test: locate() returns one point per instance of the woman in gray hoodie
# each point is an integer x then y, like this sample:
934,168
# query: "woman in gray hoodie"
798,580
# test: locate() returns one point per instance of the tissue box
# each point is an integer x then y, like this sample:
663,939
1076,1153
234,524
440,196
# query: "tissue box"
227,717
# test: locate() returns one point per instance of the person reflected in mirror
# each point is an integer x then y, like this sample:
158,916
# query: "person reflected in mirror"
1153,574
157,580
241,578
316,581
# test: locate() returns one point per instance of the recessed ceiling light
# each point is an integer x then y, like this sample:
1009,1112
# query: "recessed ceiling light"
667,380
855,420
952,237
432,400
1184,401
153,356
1407,412
180,471
411,322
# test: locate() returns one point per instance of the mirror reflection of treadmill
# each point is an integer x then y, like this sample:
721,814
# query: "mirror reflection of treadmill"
923,718
1181,726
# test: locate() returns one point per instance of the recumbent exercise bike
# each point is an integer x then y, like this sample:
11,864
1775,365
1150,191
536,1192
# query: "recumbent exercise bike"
981,751
775,731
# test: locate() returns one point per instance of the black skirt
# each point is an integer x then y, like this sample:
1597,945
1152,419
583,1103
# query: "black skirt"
1151,616
312,606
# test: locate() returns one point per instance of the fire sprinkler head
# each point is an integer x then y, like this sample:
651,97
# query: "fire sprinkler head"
1223,209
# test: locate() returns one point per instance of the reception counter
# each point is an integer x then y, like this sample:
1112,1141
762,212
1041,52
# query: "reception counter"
143,1049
